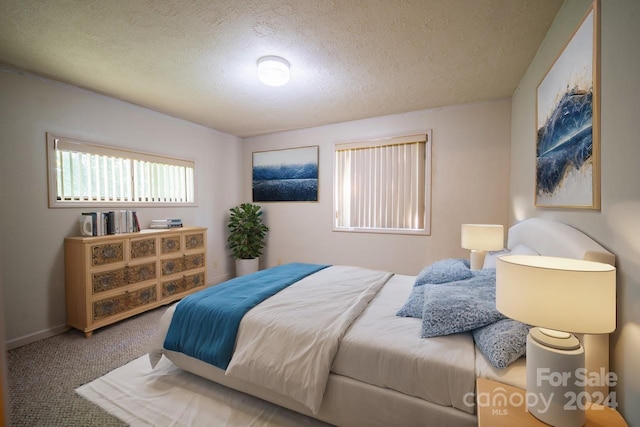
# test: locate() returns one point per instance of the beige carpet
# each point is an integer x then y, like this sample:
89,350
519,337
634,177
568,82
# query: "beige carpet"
169,396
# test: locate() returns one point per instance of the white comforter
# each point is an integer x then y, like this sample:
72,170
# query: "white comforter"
385,350
288,343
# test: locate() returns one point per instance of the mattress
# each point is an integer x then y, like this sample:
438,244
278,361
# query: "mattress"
385,350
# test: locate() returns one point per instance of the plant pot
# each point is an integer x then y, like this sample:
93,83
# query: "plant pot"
246,266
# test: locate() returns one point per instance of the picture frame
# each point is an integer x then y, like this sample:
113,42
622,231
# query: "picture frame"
568,122
286,175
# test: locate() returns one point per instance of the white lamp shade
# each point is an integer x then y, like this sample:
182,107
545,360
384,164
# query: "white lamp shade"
273,70
564,294
482,237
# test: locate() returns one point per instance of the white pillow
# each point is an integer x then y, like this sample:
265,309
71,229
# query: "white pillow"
523,250
490,259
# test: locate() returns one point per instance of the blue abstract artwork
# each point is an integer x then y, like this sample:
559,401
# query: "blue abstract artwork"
567,163
289,175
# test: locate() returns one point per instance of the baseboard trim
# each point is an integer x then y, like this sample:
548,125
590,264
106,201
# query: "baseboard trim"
36,336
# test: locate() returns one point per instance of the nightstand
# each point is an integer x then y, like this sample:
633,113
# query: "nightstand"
508,411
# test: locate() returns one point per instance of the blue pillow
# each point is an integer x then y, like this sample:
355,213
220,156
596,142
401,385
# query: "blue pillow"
460,306
414,305
436,274
502,342
447,270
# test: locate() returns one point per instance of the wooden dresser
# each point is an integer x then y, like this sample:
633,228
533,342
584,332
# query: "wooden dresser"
110,278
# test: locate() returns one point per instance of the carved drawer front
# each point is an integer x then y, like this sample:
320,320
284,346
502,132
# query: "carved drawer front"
194,261
194,241
142,272
120,303
170,244
172,266
108,280
143,248
107,253
113,279
186,262
182,284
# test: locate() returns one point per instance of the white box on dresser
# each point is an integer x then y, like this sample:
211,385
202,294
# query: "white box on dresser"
113,277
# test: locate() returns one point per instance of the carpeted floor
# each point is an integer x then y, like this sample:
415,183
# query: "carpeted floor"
43,376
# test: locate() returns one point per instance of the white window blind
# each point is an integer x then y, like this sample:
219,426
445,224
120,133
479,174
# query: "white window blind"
383,185
83,174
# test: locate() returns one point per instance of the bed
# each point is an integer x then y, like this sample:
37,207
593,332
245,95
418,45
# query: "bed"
365,365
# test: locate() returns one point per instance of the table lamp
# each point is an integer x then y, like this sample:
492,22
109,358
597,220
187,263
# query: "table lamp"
480,238
557,296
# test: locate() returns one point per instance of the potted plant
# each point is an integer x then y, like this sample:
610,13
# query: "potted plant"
246,237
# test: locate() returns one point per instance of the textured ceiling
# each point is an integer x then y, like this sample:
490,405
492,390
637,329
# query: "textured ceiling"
350,59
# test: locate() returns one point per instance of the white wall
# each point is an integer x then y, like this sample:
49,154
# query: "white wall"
470,158
617,226
32,249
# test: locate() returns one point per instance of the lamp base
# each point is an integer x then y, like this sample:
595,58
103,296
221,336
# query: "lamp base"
476,259
553,395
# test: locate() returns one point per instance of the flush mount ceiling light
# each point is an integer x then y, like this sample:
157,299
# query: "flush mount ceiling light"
273,70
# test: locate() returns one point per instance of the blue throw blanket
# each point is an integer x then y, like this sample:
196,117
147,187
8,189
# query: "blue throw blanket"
205,324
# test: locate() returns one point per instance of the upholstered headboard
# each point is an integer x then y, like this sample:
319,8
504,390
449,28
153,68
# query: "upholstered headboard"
553,238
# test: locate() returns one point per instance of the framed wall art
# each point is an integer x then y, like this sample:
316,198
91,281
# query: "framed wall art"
288,175
568,122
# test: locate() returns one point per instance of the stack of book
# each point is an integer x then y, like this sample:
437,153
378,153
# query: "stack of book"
166,223
113,222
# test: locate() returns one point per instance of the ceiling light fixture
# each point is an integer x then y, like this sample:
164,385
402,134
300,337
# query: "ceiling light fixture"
273,70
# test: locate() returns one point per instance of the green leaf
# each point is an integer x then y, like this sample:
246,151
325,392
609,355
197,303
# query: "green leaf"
246,231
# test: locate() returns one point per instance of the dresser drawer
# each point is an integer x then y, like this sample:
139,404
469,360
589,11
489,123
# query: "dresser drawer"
112,279
191,262
170,244
142,248
183,284
107,280
183,263
107,253
193,241
117,304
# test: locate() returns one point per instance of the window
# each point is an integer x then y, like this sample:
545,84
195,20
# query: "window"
83,174
383,186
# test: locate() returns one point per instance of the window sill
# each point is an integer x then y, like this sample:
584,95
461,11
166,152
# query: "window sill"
398,231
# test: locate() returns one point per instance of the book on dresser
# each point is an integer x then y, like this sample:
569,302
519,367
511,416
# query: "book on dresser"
166,223
112,222
112,277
